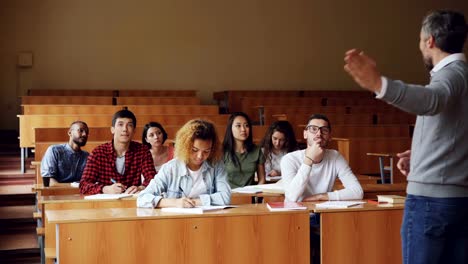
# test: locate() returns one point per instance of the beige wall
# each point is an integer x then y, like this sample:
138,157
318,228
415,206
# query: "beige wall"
207,45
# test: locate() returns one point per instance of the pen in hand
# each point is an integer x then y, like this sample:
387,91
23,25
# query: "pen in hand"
122,188
187,202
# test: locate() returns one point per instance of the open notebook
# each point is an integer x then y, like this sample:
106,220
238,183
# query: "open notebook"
195,210
338,204
269,188
106,196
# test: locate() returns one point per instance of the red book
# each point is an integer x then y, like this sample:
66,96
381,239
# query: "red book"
285,206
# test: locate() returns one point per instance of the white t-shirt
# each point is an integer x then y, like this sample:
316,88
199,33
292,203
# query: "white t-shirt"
198,185
275,163
301,180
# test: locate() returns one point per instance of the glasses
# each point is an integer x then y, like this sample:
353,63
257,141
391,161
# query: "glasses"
325,130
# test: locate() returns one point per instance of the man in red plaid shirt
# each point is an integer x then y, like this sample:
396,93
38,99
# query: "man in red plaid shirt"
117,166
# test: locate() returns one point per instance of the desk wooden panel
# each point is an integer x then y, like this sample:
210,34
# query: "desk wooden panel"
248,234
75,202
59,189
365,235
65,198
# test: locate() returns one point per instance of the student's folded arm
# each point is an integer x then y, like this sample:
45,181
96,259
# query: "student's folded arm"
352,188
294,178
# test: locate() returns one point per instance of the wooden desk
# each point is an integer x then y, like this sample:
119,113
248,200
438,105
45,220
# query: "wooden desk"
362,234
247,234
59,189
77,201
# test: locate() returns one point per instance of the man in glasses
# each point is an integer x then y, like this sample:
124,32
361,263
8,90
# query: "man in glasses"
66,162
309,174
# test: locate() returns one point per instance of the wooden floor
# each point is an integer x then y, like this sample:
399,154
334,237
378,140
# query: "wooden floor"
18,240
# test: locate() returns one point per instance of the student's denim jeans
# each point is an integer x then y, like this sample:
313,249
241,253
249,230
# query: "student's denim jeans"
435,230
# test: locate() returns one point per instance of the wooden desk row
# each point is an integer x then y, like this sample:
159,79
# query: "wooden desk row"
43,109
231,100
246,234
355,114
114,93
44,137
29,122
110,100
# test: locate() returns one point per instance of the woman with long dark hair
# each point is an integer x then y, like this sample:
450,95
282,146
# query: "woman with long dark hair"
278,141
242,158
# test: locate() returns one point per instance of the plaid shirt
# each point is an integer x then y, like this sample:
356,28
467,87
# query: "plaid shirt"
100,168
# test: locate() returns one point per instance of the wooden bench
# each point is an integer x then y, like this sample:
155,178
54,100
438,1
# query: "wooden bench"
111,93
230,101
248,104
352,131
265,114
354,101
60,109
355,152
395,118
111,109
157,100
335,119
74,100
68,92
99,135
29,122
157,93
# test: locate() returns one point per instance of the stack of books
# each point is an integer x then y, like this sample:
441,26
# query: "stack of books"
395,199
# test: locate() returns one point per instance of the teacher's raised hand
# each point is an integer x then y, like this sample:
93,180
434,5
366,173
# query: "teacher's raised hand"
363,70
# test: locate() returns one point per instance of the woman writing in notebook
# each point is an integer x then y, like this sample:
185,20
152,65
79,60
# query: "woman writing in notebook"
196,176
154,137
278,141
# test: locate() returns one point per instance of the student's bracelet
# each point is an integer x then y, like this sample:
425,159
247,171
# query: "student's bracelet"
309,158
